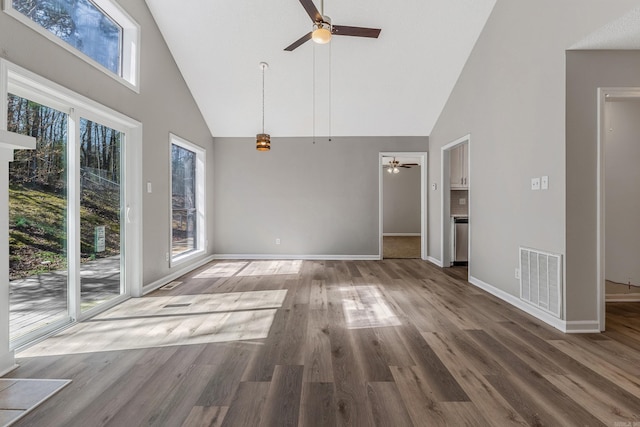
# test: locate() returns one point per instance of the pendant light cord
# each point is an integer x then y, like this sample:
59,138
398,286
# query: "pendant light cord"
313,97
263,67
330,82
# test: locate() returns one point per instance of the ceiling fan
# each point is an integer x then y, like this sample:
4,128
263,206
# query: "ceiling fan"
394,165
323,29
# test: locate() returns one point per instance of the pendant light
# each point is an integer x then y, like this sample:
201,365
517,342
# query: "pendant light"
263,140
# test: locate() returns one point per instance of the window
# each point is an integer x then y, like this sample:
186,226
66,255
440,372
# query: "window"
98,31
187,200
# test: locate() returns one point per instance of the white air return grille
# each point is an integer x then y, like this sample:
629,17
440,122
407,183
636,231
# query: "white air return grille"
541,280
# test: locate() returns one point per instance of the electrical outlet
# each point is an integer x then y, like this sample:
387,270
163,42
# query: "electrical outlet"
277,241
517,273
535,183
166,256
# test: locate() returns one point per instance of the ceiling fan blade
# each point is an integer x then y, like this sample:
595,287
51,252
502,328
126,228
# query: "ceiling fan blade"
404,166
411,164
298,42
343,30
312,10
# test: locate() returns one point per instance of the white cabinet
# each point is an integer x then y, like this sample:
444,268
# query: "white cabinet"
459,175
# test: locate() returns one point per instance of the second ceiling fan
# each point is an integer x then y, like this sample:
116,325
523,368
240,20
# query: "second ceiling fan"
393,166
323,29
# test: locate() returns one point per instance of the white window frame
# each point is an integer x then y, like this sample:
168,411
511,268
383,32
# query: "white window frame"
130,52
201,206
21,82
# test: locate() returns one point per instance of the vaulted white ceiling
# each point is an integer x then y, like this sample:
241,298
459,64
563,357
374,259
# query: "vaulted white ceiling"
395,85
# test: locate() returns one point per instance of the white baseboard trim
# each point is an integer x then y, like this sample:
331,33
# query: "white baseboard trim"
174,275
300,257
435,261
622,298
516,302
583,327
401,234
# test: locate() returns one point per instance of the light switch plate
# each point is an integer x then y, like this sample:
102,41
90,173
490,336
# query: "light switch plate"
149,188
535,183
544,182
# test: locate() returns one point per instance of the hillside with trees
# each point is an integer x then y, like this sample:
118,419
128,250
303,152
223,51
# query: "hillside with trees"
38,189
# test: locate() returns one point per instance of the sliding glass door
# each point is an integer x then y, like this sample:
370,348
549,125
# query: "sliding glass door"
66,218
100,214
38,206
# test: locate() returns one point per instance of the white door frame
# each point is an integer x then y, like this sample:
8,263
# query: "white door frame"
605,95
39,89
422,156
445,200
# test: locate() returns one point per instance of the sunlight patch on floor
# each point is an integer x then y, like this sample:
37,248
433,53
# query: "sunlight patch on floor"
250,268
223,269
271,268
166,321
365,307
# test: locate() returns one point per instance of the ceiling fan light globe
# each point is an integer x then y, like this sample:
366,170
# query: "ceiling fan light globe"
396,170
321,35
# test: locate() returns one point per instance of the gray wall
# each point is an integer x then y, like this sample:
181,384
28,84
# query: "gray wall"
622,191
586,71
164,105
510,98
401,197
319,199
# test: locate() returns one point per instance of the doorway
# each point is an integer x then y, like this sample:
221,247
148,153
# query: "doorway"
70,203
618,198
455,246
403,226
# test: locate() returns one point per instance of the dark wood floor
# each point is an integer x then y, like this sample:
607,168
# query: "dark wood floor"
363,343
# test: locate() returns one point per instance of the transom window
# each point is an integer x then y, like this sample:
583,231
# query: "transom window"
98,31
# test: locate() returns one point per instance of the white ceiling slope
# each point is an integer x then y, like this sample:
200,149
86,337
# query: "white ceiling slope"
396,85
623,33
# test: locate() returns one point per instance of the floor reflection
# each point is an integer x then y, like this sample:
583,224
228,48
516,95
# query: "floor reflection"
365,307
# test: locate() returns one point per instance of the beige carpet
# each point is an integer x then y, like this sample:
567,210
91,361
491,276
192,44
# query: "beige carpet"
401,247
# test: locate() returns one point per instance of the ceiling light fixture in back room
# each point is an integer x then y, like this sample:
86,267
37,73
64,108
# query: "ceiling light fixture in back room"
394,164
263,140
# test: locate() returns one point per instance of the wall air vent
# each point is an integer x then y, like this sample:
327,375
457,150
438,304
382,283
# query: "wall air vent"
541,280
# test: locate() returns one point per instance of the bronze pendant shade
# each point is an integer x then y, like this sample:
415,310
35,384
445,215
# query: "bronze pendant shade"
263,142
